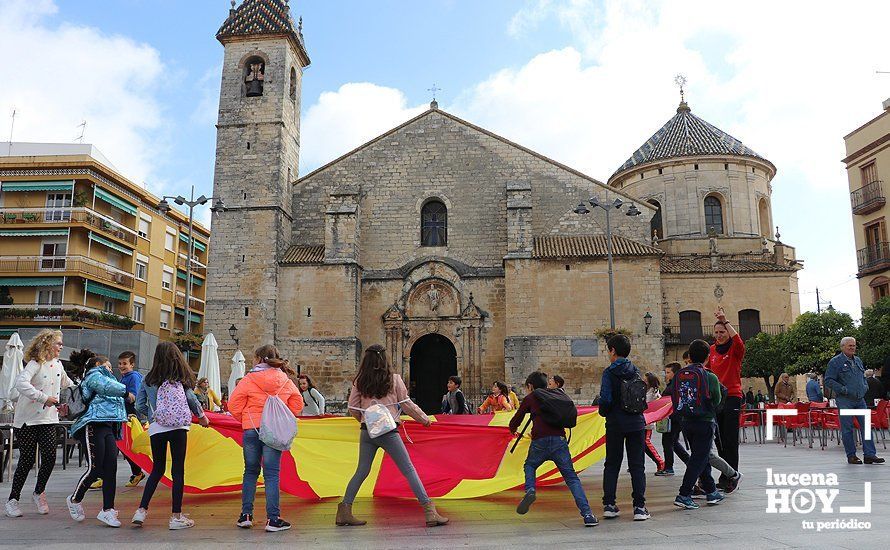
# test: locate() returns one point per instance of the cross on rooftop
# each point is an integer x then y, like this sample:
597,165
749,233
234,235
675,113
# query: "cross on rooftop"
680,80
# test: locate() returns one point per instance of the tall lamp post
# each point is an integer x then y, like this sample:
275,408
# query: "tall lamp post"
607,207
164,207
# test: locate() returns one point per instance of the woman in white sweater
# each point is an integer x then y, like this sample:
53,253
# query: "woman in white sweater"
39,386
313,400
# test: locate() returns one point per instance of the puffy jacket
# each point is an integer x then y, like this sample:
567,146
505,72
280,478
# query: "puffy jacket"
247,401
846,376
609,405
106,397
147,402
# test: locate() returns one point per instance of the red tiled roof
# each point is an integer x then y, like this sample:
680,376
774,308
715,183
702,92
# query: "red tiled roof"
588,246
702,264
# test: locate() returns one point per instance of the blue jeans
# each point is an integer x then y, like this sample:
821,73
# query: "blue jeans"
555,448
868,447
256,451
700,434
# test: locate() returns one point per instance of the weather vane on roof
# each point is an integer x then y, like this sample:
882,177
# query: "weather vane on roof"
680,80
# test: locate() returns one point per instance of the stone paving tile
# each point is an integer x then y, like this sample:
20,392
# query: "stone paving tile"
490,522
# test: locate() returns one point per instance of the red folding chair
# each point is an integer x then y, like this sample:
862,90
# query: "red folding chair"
749,419
880,420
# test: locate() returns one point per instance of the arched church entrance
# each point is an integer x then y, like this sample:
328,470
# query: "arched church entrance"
433,360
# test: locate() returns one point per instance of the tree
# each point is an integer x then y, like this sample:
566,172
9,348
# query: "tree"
874,334
814,338
766,357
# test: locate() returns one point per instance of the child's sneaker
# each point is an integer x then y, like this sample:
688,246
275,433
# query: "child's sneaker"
698,492
590,521
136,480
75,509
610,511
667,472
685,502
12,508
715,498
245,521
40,502
139,517
733,483
181,522
277,524
109,518
641,514
526,502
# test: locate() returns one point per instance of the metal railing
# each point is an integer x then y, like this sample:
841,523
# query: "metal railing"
194,303
873,257
868,198
67,216
673,335
59,313
198,268
79,265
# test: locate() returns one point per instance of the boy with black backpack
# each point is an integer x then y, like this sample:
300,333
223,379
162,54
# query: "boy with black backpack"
622,402
696,396
552,411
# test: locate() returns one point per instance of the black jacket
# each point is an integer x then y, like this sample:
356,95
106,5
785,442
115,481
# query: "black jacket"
875,391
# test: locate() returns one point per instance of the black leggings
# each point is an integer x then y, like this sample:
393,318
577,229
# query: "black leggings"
101,445
177,439
29,438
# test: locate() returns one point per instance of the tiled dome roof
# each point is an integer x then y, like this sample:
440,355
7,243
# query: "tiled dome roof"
261,17
686,135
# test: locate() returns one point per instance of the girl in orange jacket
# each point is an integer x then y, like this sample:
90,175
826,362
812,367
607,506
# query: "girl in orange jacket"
497,400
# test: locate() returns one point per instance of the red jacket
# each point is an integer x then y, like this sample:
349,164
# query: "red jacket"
728,366
249,397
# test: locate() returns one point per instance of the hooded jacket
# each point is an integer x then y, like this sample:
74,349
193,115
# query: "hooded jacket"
249,397
106,397
609,403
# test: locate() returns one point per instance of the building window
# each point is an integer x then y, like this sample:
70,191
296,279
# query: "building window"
53,256
61,201
115,259
170,240
167,280
749,323
869,173
49,296
108,306
165,319
763,214
254,76
144,228
138,312
141,271
880,288
434,224
690,326
293,84
656,231
713,215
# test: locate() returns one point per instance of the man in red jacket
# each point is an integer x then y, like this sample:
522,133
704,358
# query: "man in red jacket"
725,361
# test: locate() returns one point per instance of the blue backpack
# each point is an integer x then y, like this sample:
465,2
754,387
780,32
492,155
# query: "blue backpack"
691,394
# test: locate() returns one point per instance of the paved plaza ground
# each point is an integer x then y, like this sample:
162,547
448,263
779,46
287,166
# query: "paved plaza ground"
739,522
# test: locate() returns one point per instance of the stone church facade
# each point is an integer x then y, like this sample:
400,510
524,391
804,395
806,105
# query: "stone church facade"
459,250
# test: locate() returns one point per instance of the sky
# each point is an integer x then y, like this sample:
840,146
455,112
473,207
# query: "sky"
585,82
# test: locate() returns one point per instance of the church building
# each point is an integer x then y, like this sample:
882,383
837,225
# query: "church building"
465,253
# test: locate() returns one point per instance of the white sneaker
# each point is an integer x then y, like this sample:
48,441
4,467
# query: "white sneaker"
109,518
12,508
139,517
182,522
40,501
75,509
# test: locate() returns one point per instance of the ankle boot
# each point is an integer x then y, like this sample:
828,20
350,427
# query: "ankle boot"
432,517
345,517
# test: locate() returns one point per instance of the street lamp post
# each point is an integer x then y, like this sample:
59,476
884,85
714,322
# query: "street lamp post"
164,207
607,207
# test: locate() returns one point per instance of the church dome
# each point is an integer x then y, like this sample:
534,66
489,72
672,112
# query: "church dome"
686,135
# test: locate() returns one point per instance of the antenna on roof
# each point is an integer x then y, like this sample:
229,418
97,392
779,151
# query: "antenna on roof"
11,128
680,81
83,129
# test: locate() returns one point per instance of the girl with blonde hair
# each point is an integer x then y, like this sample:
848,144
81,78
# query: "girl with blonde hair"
39,386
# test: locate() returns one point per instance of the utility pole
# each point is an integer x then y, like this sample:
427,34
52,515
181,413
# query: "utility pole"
818,302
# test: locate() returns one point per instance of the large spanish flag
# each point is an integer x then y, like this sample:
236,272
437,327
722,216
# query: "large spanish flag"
457,457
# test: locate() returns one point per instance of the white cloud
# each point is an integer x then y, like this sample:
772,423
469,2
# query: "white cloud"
343,120
58,76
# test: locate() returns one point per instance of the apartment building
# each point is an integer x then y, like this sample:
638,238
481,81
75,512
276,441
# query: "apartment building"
81,246
868,162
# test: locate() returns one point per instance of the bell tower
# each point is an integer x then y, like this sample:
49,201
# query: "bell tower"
257,154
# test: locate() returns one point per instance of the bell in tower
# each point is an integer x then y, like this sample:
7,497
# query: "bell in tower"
253,79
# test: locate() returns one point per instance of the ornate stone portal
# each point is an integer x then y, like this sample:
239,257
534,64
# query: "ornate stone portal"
434,300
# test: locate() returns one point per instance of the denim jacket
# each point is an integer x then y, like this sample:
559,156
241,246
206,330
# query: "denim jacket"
147,401
846,377
106,397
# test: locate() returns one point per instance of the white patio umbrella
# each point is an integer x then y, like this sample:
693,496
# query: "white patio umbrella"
210,363
237,370
12,366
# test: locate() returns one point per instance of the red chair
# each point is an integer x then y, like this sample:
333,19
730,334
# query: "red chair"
795,424
830,420
749,419
880,420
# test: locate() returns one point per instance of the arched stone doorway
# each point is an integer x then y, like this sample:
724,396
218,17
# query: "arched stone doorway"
433,360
